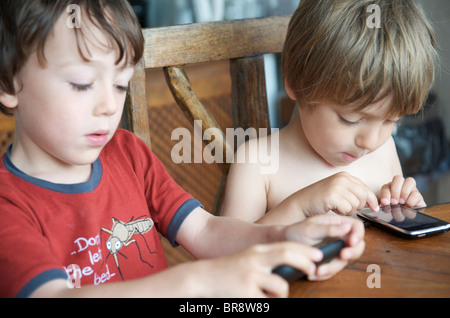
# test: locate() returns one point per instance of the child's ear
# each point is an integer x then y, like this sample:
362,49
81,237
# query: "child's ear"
8,100
289,91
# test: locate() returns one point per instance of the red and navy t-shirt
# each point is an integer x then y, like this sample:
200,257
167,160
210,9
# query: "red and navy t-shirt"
100,231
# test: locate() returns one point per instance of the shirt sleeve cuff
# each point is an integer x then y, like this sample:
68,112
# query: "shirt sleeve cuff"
40,280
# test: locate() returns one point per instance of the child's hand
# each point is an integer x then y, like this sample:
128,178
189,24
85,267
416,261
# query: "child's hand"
249,273
315,229
401,191
341,193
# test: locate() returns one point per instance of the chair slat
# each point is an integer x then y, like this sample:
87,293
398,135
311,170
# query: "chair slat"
248,93
205,42
193,108
135,113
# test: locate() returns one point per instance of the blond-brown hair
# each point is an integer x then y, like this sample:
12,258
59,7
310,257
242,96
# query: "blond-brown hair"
332,53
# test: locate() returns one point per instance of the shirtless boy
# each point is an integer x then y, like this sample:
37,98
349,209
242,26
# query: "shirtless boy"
352,82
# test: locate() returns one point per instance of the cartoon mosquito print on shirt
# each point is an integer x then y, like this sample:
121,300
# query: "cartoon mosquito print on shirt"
121,235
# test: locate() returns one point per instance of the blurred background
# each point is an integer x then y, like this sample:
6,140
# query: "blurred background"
422,140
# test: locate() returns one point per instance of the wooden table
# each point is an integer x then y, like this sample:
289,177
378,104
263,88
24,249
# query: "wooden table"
408,268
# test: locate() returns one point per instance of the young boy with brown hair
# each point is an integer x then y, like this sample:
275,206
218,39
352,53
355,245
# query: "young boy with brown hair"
352,80
80,199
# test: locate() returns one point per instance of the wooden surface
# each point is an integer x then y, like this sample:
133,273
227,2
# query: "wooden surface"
135,118
214,41
6,132
409,268
248,97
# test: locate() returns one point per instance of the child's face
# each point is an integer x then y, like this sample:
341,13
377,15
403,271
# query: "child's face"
69,109
342,136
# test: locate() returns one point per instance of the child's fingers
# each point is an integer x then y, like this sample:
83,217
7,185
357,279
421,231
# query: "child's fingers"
328,270
354,251
253,266
323,226
274,286
385,195
360,197
401,191
372,202
409,185
354,198
396,189
364,194
346,204
415,200
300,256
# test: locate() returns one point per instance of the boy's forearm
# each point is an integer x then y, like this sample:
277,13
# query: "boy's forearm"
287,212
232,235
177,281
219,236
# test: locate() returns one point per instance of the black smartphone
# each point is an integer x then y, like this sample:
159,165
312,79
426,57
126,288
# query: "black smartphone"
330,247
406,222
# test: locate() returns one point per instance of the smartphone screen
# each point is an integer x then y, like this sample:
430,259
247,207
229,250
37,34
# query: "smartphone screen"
404,221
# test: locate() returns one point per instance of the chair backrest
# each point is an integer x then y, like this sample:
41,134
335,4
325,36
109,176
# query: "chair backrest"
6,132
242,42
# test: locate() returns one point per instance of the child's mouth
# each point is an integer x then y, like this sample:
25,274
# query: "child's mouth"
349,158
98,139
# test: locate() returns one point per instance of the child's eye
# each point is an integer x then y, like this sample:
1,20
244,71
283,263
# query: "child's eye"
391,122
348,122
81,87
122,89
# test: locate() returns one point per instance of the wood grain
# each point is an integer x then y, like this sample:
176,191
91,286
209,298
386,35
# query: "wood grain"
213,41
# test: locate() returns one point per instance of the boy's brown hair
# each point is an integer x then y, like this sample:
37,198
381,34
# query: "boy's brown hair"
26,24
332,53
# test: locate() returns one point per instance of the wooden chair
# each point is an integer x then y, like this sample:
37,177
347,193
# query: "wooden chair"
242,42
6,132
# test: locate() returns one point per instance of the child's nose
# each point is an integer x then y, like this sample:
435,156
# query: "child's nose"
367,139
106,103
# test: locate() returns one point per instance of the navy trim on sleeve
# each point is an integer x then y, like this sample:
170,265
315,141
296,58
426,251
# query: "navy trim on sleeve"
182,213
40,280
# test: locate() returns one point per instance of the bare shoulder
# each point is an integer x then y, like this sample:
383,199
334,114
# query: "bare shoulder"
260,155
247,185
388,154
392,157
379,167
